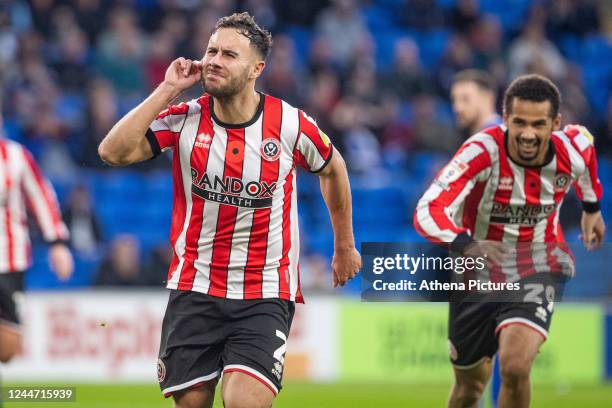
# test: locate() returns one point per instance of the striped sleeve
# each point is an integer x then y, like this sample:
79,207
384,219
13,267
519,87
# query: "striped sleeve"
588,186
166,128
313,149
42,200
433,217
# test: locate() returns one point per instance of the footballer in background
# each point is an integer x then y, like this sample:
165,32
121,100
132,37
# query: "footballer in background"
501,192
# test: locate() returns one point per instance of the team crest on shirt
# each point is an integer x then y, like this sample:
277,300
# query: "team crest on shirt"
561,182
161,370
270,149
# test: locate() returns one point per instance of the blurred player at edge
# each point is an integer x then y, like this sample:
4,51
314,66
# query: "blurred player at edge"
473,96
234,276
526,162
22,184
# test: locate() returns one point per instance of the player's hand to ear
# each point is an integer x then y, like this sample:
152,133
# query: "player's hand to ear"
61,261
182,74
593,230
345,265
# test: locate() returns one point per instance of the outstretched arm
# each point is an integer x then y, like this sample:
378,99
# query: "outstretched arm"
126,142
336,192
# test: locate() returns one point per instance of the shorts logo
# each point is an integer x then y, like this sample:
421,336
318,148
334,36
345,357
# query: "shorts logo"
279,355
278,370
505,183
452,351
561,182
161,370
541,314
270,149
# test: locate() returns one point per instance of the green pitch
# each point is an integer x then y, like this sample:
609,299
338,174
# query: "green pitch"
337,395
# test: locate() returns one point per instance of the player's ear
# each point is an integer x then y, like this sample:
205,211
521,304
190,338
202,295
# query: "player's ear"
258,69
505,117
557,122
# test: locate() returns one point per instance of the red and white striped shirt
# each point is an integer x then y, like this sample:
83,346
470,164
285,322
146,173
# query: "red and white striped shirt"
21,183
484,194
234,221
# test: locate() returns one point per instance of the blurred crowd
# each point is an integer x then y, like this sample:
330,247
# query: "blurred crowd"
375,74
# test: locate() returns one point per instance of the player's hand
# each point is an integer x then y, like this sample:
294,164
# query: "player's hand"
593,230
494,252
345,265
182,74
61,261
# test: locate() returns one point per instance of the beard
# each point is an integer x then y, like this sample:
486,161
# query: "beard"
233,86
535,147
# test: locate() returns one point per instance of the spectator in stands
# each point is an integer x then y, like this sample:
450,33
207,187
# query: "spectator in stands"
464,15
155,272
102,114
121,52
342,28
159,58
82,222
572,17
281,75
532,52
71,60
121,267
407,77
431,133
422,14
485,39
457,56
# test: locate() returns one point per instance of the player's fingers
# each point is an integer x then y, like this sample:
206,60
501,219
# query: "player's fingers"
587,238
197,65
187,67
180,63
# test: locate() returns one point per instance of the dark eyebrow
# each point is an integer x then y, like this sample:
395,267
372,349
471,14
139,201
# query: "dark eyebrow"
538,122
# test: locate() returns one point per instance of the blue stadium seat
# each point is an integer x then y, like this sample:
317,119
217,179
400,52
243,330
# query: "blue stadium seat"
432,45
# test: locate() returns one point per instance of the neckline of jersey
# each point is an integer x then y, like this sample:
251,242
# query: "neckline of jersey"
550,155
237,125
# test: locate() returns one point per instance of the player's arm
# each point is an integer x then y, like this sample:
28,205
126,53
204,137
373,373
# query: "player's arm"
336,192
314,152
43,203
432,217
127,141
588,187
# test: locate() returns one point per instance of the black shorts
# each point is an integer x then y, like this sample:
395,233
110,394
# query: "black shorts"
204,336
10,284
475,322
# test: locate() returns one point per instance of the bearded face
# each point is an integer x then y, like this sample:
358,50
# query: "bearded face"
228,63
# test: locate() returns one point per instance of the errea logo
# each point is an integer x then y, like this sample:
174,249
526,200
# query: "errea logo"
505,183
203,140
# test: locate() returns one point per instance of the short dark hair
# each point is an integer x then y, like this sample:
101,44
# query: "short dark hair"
482,79
260,38
535,88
